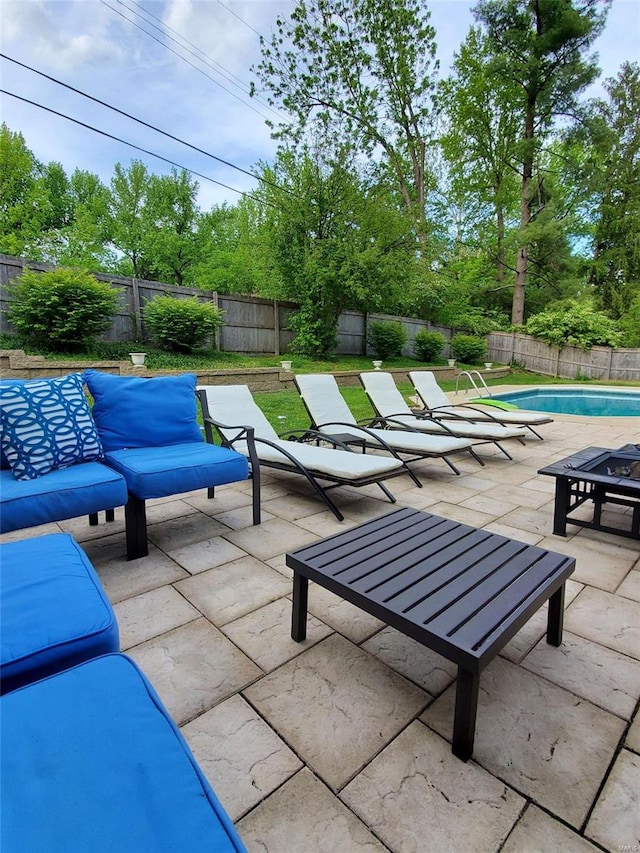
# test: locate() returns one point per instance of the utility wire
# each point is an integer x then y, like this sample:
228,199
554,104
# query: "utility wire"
136,147
144,123
184,59
242,21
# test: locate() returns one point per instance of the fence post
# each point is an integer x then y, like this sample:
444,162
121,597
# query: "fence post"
217,333
137,314
276,328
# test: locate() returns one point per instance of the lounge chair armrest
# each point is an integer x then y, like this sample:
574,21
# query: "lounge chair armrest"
244,431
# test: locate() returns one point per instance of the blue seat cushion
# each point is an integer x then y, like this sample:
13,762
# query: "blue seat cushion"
65,493
155,472
53,610
131,411
92,762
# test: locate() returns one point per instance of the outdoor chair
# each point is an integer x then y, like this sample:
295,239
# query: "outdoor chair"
437,405
231,411
389,405
150,435
330,415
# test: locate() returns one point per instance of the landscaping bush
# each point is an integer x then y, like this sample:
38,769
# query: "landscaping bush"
181,325
468,348
61,309
574,325
386,339
429,345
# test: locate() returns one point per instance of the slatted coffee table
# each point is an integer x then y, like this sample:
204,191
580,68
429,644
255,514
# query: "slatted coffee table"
460,591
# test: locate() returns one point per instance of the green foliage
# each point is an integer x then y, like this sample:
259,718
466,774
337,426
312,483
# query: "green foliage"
575,325
386,339
630,323
428,346
469,349
181,325
64,308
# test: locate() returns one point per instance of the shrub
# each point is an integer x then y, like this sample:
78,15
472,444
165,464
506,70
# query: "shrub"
386,339
181,325
468,348
61,309
575,326
429,345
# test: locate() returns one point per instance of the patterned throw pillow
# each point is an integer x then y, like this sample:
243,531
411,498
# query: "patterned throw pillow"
47,424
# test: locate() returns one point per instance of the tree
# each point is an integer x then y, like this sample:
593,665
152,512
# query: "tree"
614,173
363,73
128,195
334,242
540,46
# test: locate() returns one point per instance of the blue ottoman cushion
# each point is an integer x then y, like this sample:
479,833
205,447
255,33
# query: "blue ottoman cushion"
156,472
53,610
92,762
81,489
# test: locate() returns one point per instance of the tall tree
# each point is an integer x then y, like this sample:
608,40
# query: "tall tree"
128,196
24,201
614,171
540,47
362,71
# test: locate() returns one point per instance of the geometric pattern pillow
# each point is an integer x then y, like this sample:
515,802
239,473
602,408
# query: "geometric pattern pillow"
47,424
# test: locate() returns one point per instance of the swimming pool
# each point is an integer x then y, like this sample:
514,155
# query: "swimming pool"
589,401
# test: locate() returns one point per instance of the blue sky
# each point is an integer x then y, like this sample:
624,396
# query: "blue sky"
90,44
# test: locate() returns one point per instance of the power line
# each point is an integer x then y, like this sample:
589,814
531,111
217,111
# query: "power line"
143,123
235,15
136,147
184,59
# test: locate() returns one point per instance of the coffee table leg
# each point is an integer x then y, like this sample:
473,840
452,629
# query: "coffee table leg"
555,618
561,506
299,610
464,721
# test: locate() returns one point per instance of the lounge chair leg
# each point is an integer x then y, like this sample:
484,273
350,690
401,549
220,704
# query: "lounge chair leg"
387,492
476,457
537,434
500,447
135,515
451,465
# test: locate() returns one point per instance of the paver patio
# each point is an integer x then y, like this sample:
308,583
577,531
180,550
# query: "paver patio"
342,743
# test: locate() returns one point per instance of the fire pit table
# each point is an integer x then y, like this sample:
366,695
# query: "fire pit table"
600,475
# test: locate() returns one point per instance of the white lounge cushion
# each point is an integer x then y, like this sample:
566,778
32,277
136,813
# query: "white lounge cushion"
434,397
330,412
390,403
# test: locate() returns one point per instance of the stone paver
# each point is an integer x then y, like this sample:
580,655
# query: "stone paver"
462,807
633,735
337,706
416,662
202,556
615,822
150,614
119,579
602,676
630,586
532,734
265,634
305,816
243,759
343,617
194,667
229,591
537,832
179,532
270,538
607,619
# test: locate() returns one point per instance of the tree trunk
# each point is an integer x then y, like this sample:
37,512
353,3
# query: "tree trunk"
517,308
500,244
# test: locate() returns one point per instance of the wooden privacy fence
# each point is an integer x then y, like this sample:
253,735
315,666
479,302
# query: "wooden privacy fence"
255,325
565,362
251,324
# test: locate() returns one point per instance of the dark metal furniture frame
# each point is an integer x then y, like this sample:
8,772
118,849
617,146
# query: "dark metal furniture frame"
577,481
462,592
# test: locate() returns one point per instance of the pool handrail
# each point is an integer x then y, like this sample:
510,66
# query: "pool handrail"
469,374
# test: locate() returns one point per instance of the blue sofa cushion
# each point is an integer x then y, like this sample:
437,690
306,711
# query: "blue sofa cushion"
91,761
79,490
131,411
155,472
53,610
46,425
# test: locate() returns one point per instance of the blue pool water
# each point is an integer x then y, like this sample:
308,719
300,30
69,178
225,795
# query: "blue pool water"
576,401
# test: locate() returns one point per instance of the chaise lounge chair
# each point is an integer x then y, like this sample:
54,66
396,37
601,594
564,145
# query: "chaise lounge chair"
330,415
231,410
437,405
390,405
